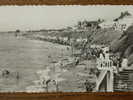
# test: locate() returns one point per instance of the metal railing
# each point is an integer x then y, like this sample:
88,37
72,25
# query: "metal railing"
104,64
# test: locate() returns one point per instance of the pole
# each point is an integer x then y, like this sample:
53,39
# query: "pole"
110,81
57,88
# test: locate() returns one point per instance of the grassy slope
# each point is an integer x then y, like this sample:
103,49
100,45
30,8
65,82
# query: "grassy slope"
105,36
125,45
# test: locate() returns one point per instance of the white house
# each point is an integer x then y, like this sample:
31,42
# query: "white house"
120,24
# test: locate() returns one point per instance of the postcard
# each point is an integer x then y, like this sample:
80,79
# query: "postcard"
66,48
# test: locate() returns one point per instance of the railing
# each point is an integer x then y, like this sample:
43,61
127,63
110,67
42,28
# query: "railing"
100,79
104,64
106,72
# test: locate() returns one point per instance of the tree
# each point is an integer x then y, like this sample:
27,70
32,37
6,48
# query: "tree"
79,24
87,44
100,20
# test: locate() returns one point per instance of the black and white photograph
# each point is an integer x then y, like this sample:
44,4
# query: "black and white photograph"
66,48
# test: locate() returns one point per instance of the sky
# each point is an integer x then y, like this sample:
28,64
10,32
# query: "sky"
54,17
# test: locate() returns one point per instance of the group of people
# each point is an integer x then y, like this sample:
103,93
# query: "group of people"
5,73
103,54
105,58
120,63
116,61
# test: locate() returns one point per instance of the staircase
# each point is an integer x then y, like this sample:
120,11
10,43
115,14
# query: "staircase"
123,81
100,78
110,81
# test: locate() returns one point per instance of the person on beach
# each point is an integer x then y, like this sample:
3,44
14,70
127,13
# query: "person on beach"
5,73
101,55
124,63
118,63
107,56
89,86
100,59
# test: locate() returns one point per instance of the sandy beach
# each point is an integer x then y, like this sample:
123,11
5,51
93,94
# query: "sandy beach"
25,57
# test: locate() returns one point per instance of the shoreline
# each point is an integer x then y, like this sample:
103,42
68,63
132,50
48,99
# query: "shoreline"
54,41
77,73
